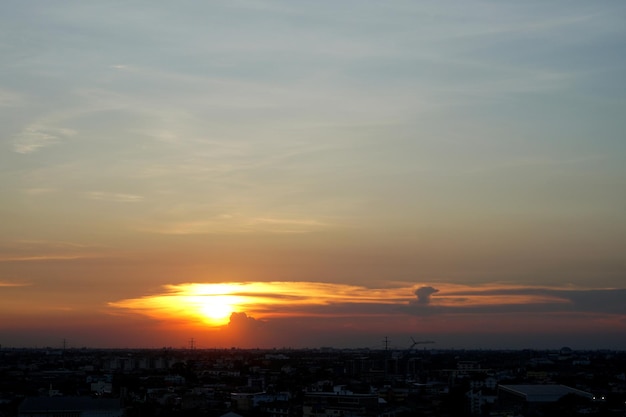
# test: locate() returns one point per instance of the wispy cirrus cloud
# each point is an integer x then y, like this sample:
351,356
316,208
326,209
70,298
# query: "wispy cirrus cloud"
33,250
287,225
117,197
36,137
39,244
238,223
9,98
44,257
7,284
39,190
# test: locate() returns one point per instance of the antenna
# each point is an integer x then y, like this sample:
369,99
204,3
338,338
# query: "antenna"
191,343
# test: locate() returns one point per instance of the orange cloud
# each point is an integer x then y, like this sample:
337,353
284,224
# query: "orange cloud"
213,304
13,284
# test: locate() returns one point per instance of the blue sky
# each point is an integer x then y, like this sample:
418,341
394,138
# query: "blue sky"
148,144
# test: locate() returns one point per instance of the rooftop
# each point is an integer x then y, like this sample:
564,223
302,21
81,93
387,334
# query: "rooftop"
33,404
543,393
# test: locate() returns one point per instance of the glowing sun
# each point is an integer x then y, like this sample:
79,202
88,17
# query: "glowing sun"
216,309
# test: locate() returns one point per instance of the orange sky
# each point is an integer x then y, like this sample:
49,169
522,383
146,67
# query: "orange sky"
304,314
453,172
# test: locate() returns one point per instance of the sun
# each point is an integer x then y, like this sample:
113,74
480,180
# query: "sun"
216,309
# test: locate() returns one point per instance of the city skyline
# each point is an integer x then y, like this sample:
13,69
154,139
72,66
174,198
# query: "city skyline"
268,174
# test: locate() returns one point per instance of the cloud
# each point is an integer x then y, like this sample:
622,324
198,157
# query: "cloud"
11,98
608,300
454,299
423,294
48,250
241,322
238,223
269,300
13,284
266,300
278,312
286,225
38,258
38,244
117,197
539,162
39,191
35,137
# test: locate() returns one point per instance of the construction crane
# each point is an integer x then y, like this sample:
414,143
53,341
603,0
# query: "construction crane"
419,342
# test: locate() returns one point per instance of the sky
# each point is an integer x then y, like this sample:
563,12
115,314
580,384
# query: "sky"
255,173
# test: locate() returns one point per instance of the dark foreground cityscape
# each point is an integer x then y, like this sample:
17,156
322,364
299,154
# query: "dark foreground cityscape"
323,382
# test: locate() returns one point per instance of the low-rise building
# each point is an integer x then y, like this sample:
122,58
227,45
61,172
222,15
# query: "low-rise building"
523,398
70,407
335,404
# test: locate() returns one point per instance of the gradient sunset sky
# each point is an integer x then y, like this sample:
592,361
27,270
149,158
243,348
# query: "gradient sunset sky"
302,174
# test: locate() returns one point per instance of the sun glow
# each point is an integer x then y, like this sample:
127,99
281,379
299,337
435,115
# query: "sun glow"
217,309
213,304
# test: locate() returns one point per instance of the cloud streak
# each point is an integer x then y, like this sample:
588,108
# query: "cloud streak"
25,250
264,313
9,99
41,258
115,197
4,284
36,137
238,223
454,299
283,299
